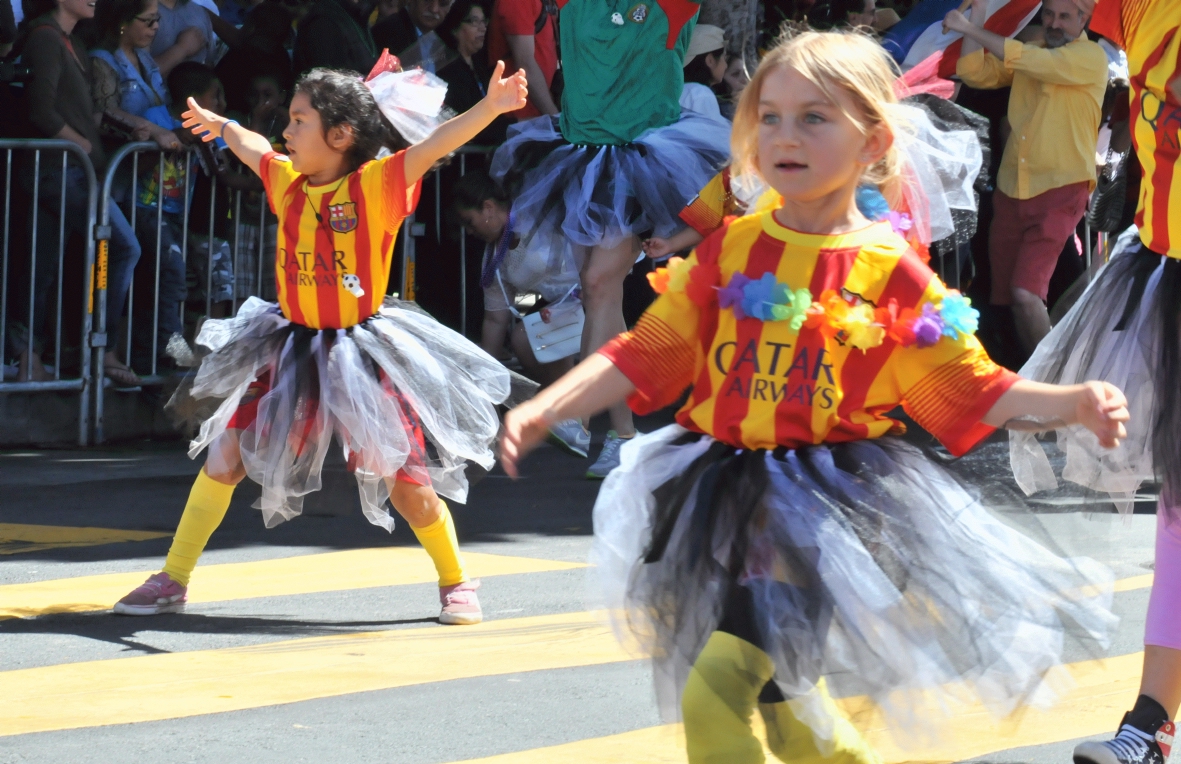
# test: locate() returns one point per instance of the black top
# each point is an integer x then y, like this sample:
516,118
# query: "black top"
395,33
465,88
332,36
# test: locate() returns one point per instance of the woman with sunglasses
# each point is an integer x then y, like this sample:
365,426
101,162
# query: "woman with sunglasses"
124,77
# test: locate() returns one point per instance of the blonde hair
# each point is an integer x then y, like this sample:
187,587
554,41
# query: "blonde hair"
848,60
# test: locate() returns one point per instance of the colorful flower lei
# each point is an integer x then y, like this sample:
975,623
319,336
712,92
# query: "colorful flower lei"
842,316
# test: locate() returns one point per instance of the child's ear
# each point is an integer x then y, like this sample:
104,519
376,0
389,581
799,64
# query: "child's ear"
878,142
488,207
340,138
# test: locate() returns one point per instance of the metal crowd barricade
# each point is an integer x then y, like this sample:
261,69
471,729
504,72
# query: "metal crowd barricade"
412,229
240,287
83,381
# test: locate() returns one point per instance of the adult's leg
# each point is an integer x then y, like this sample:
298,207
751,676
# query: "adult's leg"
602,298
1048,221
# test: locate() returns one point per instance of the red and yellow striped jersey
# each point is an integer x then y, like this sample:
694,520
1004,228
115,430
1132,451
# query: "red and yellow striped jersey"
1150,32
716,202
332,263
759,384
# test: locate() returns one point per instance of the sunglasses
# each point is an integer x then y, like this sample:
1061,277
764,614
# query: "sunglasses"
149,21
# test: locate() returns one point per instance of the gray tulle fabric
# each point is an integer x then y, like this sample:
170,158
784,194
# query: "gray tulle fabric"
327,383
866,562
1087,345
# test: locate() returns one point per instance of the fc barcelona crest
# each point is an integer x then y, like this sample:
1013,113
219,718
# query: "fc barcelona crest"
343,217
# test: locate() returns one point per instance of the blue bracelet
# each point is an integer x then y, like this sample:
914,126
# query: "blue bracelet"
226,124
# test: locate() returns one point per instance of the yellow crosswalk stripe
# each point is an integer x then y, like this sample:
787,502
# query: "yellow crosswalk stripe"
1103,691
16,538
306,574
176,685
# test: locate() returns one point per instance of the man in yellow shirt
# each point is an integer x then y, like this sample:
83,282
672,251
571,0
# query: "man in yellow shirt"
1048,168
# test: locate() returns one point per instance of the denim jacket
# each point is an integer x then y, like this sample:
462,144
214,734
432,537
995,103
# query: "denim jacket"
135,95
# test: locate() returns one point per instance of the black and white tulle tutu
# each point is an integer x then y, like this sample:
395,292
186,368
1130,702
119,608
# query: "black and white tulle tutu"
375,386
601,195
1123,330
866,563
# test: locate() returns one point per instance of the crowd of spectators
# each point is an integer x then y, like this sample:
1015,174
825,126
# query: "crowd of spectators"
101,73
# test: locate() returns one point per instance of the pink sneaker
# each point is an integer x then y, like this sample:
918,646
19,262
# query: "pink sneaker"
461,607
159,594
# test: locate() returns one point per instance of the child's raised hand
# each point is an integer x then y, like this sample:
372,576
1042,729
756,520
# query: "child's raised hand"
1103,409
524,427
203,122
507,94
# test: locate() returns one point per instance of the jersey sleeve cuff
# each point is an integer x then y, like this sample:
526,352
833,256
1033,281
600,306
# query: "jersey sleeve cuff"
654,359
950,402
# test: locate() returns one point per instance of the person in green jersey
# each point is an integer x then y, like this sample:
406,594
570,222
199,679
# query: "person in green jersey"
620,161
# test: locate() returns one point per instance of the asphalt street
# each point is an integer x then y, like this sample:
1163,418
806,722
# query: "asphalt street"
316,641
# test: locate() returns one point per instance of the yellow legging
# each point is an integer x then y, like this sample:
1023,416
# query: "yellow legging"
209,500
720,697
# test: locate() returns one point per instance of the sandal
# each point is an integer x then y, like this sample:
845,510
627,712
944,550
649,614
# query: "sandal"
124,379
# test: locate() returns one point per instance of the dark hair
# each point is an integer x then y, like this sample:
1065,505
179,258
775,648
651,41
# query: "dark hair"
110,16
32,10
833,14
698,71
474,188
341,98
189,78
459,11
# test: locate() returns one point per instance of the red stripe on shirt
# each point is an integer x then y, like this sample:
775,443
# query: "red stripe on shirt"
708,252
832,271
327,288
732,402
1162,176
908,281
368,303
291,224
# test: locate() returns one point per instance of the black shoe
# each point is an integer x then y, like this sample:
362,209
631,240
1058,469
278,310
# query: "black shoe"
1130,746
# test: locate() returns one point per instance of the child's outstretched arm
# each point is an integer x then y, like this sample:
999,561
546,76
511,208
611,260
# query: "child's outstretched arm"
590,387
504,95
248,146
1098,406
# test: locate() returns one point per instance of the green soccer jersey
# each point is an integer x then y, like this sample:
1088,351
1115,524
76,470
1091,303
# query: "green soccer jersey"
622,64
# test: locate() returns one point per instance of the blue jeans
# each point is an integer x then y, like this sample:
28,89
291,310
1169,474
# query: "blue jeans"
167,312
122,253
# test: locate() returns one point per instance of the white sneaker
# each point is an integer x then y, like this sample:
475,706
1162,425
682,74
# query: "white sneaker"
608,457
570,436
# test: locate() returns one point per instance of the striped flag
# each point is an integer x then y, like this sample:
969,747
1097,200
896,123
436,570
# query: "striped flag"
920,35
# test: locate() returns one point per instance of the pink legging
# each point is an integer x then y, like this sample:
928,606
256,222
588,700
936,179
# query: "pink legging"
1164,605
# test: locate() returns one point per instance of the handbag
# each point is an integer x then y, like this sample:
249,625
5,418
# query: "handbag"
1111,189
558,337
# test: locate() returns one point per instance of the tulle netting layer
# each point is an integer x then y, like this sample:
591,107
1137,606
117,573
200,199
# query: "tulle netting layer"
1115,332
600,195
340,382
867,564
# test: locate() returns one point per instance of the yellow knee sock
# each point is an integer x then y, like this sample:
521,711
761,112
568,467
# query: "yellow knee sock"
208,502
720,697
439,541
791,740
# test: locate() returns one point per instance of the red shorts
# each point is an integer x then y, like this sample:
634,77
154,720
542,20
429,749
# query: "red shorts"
1027,236
247,412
